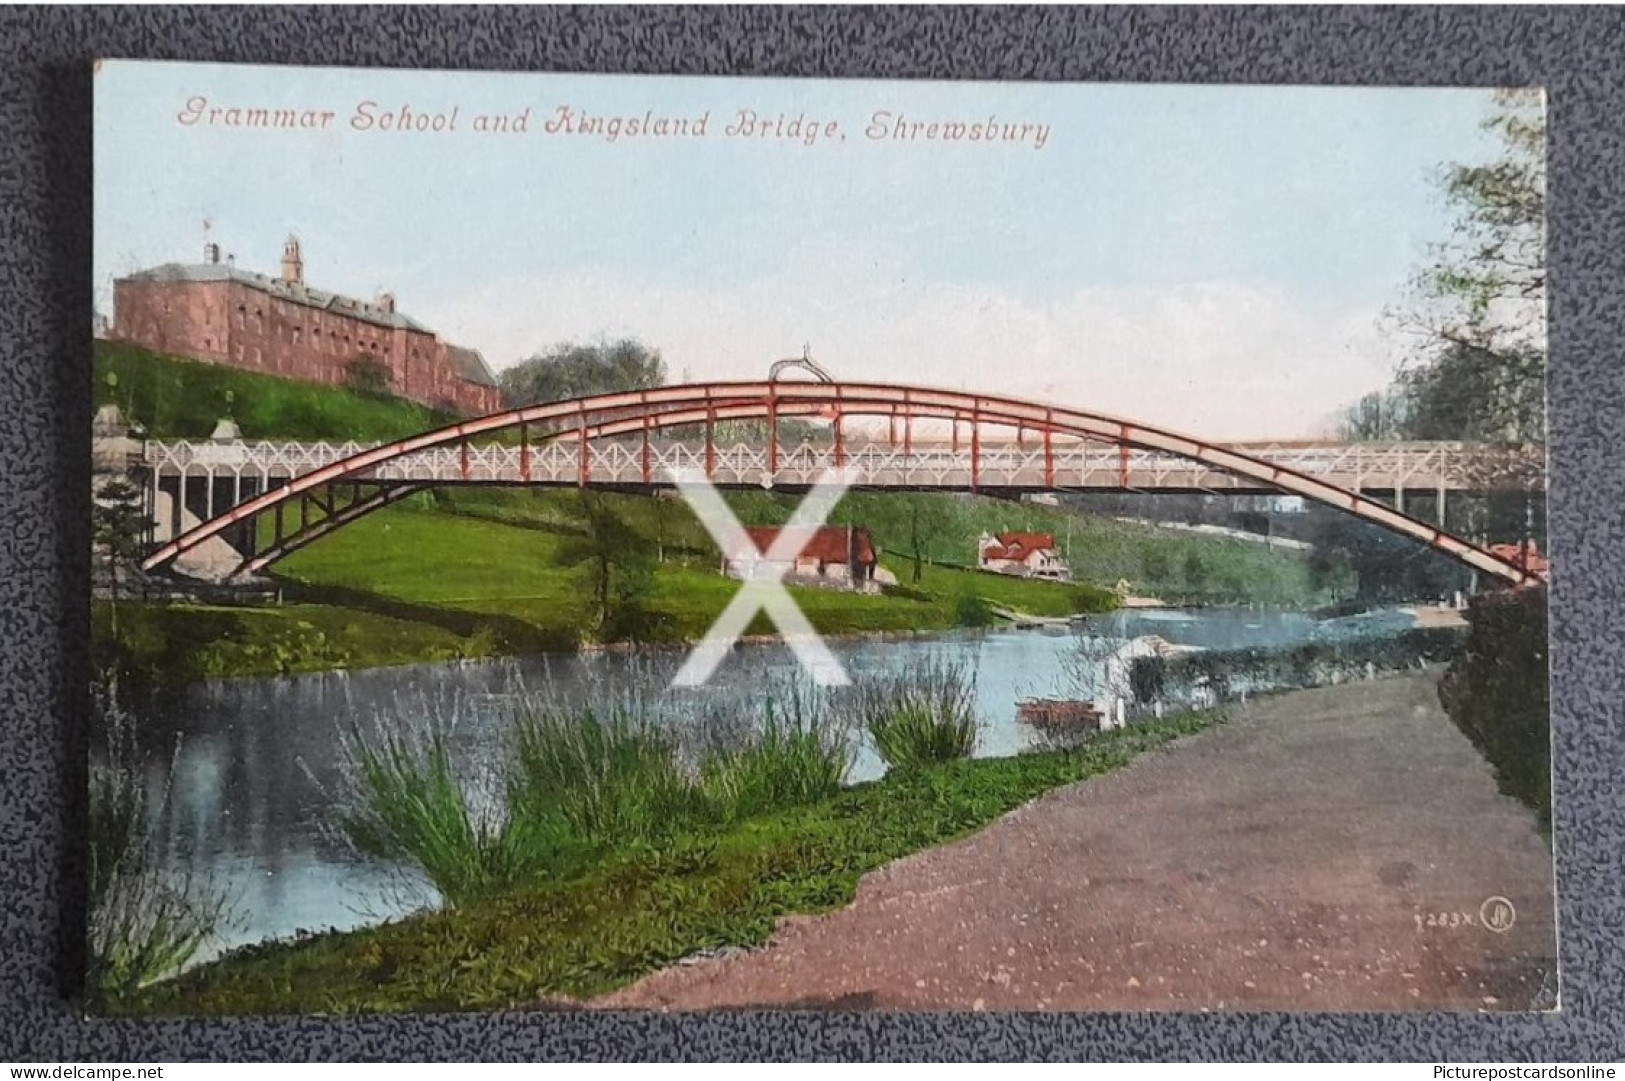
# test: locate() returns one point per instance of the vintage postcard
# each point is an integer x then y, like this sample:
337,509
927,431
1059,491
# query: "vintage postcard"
570,541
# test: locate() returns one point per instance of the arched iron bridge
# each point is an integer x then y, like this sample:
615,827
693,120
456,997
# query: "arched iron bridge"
333,495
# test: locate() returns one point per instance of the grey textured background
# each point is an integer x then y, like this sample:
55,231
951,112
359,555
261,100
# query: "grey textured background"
45,280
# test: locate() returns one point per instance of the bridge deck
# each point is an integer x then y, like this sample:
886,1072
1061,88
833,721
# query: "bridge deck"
1436,467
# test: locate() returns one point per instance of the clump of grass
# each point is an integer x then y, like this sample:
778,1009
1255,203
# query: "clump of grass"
798,755
920,715
403,801
580,779
146,921
608,773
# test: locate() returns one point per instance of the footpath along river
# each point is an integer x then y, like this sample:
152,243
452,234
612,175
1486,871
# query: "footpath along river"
255,759
1340,848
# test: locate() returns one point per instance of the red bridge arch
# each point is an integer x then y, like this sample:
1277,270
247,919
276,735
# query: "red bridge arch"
645,411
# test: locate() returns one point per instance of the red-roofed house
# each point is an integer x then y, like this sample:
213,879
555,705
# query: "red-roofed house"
1030,555
836,555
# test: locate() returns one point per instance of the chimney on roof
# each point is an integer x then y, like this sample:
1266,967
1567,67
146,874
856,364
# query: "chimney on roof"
211,253
386,303
293,264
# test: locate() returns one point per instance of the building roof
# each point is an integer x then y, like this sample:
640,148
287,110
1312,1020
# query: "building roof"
1018,546
295,292
469,365
1529,559
828,545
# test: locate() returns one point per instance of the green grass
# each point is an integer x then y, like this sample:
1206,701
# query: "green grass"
172,645
608,774
174,398
800,754
418,562
922,715
405,803
642,910
577,782
1178,566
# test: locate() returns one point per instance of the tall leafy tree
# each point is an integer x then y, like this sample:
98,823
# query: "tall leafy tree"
617,566
576,370
930,516
1477,308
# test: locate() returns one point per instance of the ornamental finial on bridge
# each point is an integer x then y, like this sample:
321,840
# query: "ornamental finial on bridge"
805,362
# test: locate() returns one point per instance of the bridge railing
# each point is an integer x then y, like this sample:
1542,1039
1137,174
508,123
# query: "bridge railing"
1071,464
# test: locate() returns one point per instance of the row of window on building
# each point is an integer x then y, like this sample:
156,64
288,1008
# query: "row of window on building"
336,343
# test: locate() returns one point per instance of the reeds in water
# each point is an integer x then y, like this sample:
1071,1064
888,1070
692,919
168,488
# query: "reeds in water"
799,754
147,921
919,715
403,800
576,778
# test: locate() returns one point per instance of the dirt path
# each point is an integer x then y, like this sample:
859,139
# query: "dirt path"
1327,850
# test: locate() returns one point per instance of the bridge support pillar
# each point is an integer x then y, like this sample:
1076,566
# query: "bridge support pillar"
583,462
772,433
648,472
975,452
1049,457
711,438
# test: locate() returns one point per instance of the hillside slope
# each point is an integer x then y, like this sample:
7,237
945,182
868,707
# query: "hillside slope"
175,398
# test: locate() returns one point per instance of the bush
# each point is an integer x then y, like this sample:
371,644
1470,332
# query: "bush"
921,715
1225,674
1496,692
971,610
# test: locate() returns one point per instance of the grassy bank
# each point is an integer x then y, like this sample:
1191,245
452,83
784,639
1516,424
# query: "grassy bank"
1179,566
414,583
172,645
643,910
174,398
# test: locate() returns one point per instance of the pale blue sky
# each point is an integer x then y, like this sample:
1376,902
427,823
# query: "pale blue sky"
1211,258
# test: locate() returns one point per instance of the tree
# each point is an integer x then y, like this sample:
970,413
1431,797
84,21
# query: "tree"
1478,306
368,375
1381,416
618,563
119,527
1381,567
928,516
572,370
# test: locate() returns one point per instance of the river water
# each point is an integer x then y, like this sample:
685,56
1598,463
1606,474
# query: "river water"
255,760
